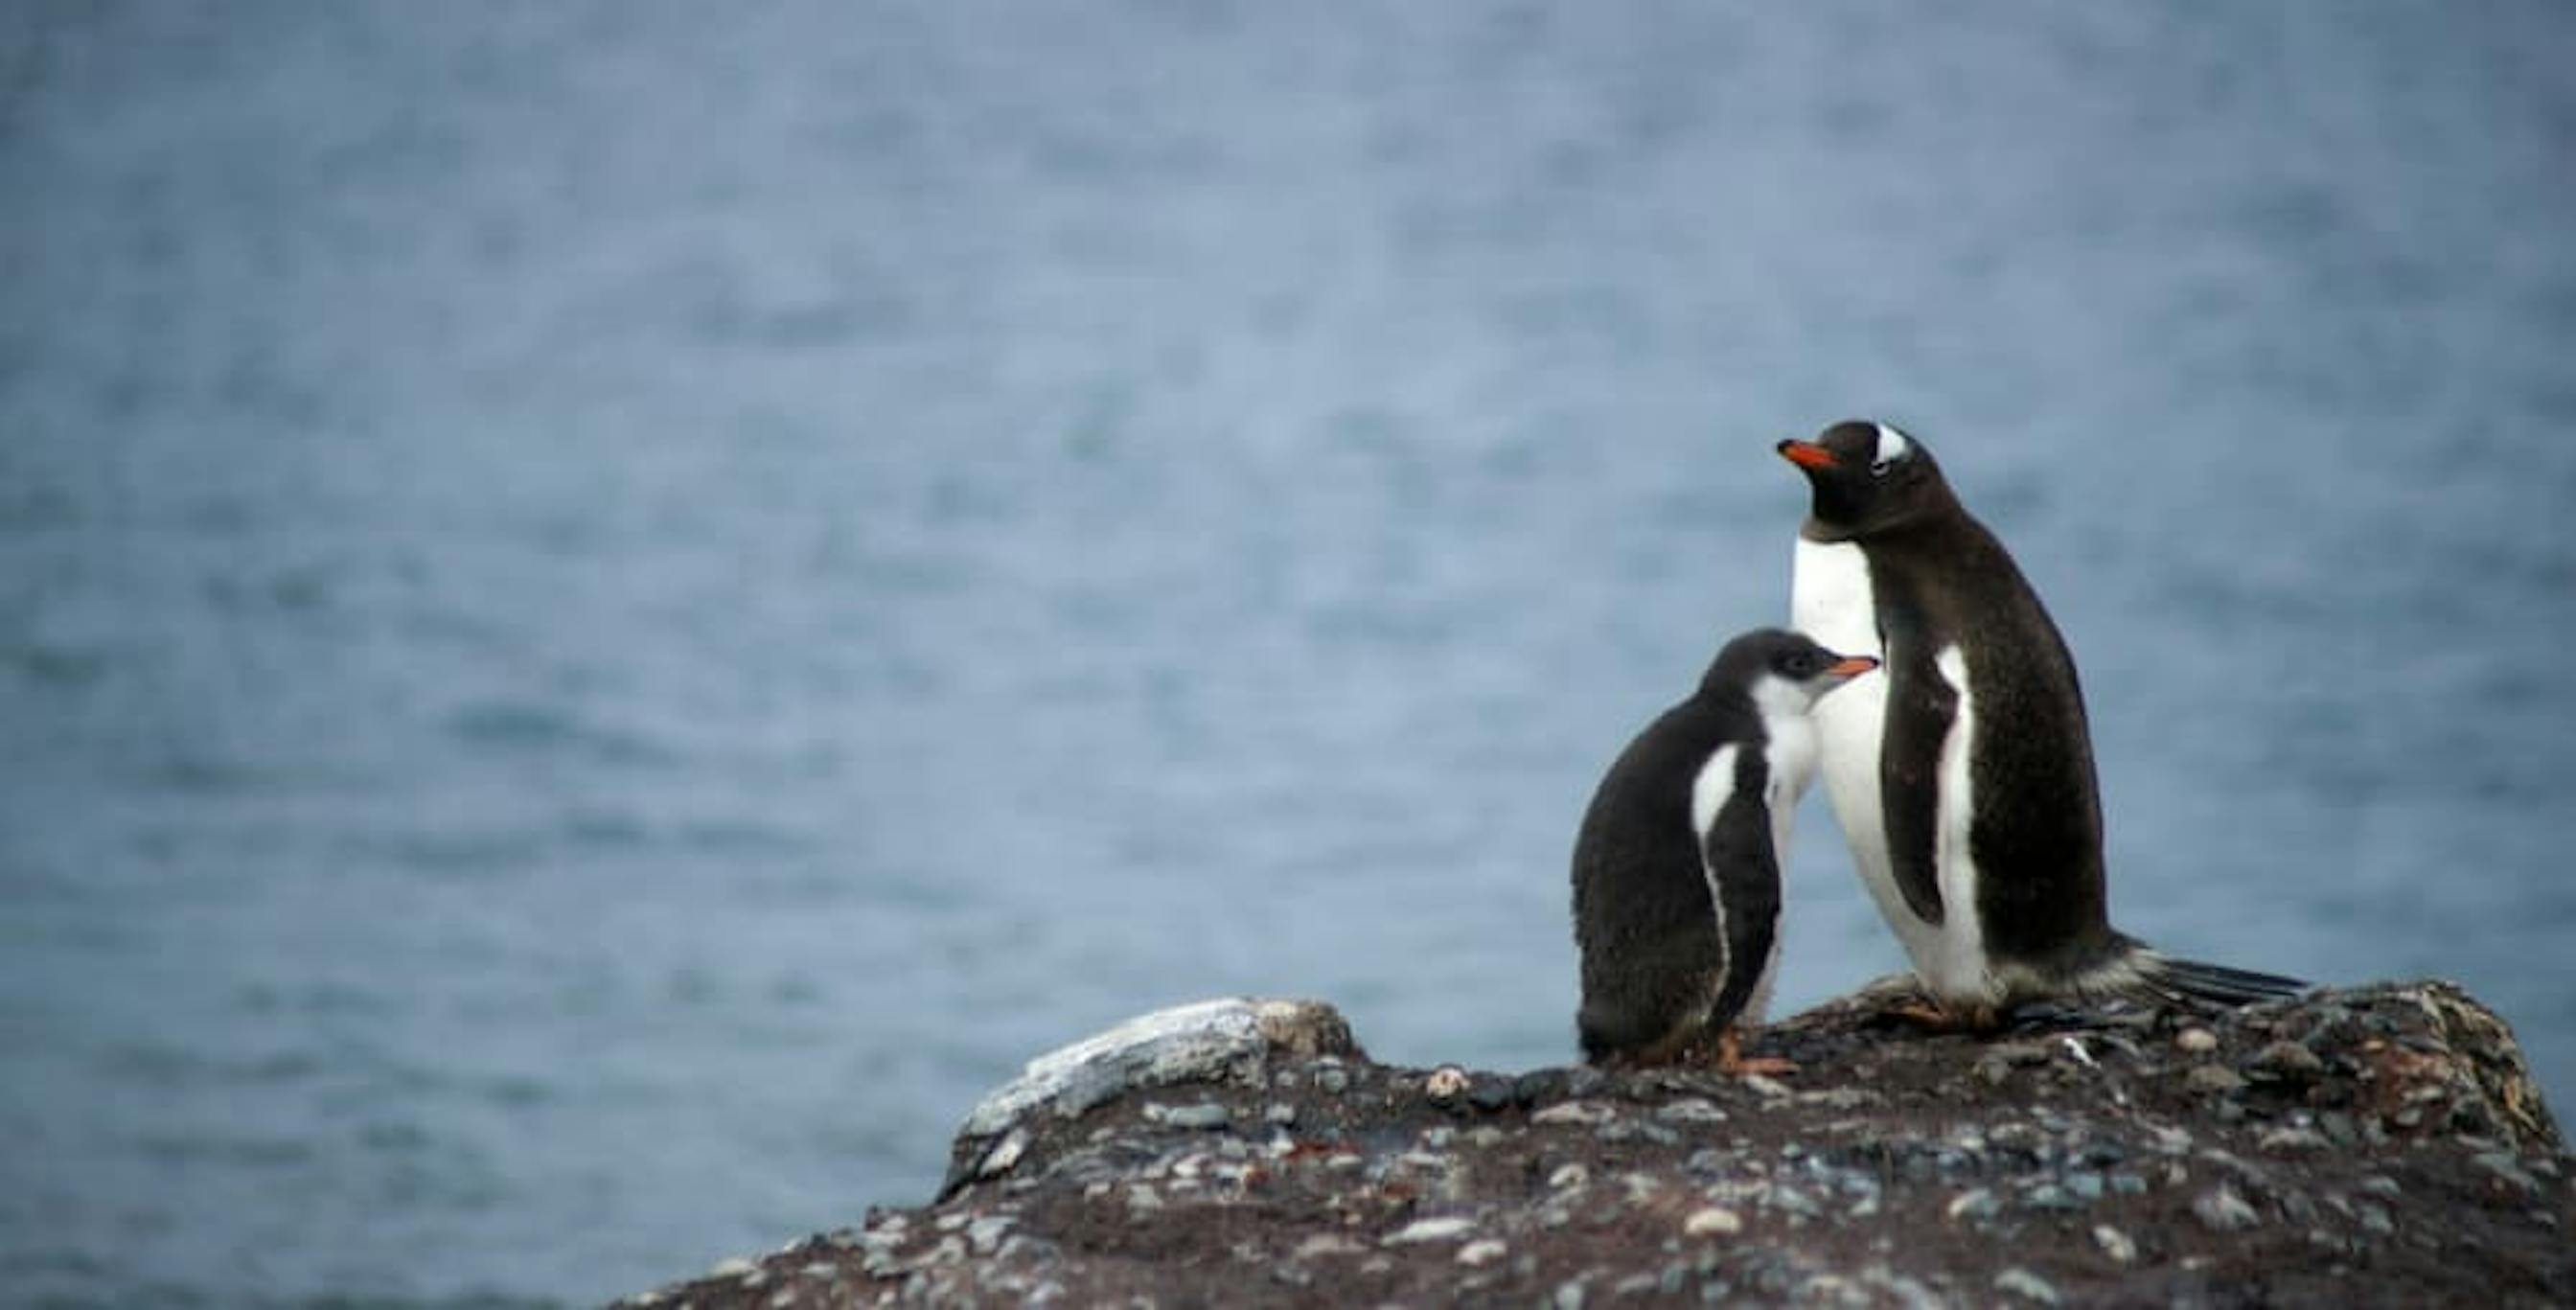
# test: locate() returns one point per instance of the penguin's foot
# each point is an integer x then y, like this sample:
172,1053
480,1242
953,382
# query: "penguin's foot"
1733,1062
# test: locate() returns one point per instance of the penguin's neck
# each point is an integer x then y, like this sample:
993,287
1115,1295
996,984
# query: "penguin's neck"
1789,735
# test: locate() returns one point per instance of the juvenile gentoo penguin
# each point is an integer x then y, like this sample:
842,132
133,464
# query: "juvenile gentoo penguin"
1963,776
1677,868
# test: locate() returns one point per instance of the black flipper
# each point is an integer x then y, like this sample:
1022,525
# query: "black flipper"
1921,706
1739,855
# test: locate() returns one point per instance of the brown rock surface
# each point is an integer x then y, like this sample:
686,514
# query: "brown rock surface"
2377,1146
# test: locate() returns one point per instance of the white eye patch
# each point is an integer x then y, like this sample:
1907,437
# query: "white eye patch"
1892,444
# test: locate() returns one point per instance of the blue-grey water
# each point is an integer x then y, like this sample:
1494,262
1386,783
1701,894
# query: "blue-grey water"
608,610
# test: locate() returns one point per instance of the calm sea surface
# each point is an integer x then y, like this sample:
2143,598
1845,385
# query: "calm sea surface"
607,611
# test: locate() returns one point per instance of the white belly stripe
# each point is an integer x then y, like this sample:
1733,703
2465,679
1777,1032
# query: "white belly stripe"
1962,970
1709,792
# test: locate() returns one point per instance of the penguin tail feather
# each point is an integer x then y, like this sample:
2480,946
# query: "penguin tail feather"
2217,983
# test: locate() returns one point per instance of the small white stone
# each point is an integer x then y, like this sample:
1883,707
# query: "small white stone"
735,1267
1691,1110
1482,1251
2223,1211
1574,1112
1445,1083
1975,1199
2022,1282
1439,1229
2115,1244
1568,1175
1005,1153
1715,1220
1771,1088
1325,1244
2195,1041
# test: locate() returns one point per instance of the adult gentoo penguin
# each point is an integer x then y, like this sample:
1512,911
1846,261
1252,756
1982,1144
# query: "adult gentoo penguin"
1677,868
1963,777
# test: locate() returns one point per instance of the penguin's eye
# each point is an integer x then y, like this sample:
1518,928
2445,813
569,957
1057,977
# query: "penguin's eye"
1879,468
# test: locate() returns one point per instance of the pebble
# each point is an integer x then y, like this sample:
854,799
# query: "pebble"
1621,1130
1203,1115
986,1233
2023,1283
1839,1098
2195,1041
1438,1229
1446,1083
1715,1220
1975,1203
1004,1153
2115,1244
2291,1137
1280,1113
2224,1211
2288,1060
1691,1110
1568,1175
2050,1196
2213,1078
1331,1079
1574,1112
735,1267
1766,1087
1482,1251
1325,1244
2503,1165
1793,1201
1568,1295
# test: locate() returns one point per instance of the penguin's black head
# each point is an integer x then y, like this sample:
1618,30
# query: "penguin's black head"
1867,477
1778,669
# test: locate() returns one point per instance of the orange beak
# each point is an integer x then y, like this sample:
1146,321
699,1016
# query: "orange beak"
1853,667
1807,455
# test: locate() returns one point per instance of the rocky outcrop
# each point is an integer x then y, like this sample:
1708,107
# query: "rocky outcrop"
2382,1145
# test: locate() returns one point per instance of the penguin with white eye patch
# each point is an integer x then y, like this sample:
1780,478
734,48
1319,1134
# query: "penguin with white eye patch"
1963,776
1677,866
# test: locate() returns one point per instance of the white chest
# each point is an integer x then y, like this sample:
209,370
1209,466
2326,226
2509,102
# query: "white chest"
1830,599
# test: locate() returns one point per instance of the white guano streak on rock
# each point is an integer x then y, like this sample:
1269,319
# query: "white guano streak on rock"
1202,1040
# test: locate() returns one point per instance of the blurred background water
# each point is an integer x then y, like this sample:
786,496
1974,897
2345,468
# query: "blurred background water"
609,610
